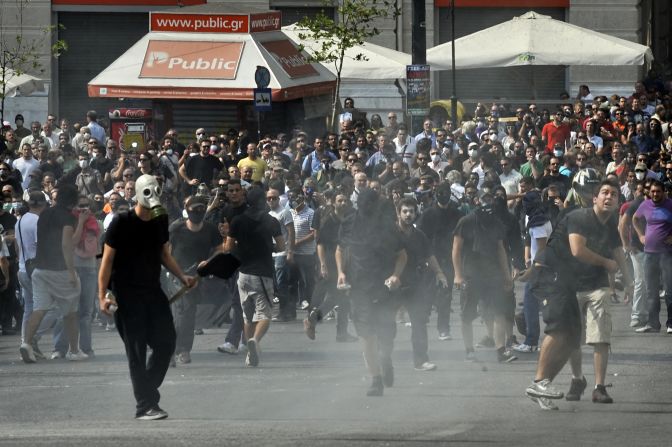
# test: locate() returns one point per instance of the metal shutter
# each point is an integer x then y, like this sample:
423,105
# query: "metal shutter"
216,117
505,82
95,40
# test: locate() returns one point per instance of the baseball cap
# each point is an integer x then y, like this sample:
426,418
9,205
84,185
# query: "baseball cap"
641,167
19,117
472,145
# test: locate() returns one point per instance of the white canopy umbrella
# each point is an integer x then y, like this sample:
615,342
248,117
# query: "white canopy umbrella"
378,62
535,39
21,85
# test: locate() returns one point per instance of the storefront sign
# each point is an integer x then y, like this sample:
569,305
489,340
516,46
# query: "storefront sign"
289,58
191,60
214,23
417,93
123,113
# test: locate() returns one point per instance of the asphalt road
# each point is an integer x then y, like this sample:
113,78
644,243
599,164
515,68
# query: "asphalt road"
312,393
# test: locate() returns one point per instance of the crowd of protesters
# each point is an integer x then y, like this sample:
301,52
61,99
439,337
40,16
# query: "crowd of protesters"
379,223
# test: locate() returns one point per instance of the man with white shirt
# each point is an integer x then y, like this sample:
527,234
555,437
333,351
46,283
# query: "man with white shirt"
404,145
50,137
427,132
26,164
34,136
509,177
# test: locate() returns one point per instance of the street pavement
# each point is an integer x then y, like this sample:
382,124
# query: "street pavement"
312,393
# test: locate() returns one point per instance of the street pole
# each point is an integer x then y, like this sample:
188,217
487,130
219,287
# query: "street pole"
418,47
453,96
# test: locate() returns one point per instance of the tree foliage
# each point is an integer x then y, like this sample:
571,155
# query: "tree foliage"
20,54
355,21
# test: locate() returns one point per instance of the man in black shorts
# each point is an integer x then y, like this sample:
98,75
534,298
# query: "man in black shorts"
582,249
482,274
136,245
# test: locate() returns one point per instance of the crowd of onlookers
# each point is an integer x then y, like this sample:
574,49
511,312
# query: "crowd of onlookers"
499,149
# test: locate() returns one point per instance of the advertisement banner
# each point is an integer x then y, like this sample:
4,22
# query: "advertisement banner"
417,90
289,58
199,23
270,21
191,60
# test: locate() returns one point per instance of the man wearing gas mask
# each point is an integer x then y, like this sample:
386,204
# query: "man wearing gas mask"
136,245
482,273
192,240
370,259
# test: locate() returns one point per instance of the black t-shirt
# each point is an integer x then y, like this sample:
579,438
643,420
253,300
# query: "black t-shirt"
327,224
418,251
600,238
255,243
372,243
479,246
50,237
202,168
190,247
138,245
102,165
438,224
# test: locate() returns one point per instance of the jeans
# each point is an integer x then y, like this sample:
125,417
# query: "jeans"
89,279
49,319
184,316
443,298
286,307
639,306
235,332
531,311
303,281
655,265
419,306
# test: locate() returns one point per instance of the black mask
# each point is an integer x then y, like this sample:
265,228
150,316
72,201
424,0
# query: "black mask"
196,216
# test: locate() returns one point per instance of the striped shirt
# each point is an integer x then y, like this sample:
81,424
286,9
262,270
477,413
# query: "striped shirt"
303,226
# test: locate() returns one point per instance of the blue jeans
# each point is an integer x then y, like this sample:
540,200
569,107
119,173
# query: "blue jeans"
531,311
89,279
655,266
27,294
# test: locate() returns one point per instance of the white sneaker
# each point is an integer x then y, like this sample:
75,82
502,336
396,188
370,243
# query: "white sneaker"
471,357
305,305
227,348
443,336
56,355
27,353
110,327
427,366
544,403
524,348
669,330
76,356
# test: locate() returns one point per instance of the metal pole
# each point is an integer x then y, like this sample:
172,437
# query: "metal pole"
453,96
418,48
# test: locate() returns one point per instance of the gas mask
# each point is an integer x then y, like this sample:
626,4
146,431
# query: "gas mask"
147,193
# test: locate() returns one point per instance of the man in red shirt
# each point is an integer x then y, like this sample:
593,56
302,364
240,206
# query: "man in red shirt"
555,132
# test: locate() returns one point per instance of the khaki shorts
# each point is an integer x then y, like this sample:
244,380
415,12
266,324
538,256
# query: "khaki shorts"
596,315
53,289
255,297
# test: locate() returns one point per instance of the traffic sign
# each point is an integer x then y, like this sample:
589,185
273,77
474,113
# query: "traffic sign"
262,99
262,76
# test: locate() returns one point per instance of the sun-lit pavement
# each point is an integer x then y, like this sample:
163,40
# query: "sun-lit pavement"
312,393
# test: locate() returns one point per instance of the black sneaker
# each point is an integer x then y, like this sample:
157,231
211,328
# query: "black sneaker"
153,414
504,356
576,389
376,388
388,372
600,395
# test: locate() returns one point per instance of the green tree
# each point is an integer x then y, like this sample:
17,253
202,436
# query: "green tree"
355,21
20,54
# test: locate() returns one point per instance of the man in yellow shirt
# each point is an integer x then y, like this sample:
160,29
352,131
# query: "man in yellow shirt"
255,162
